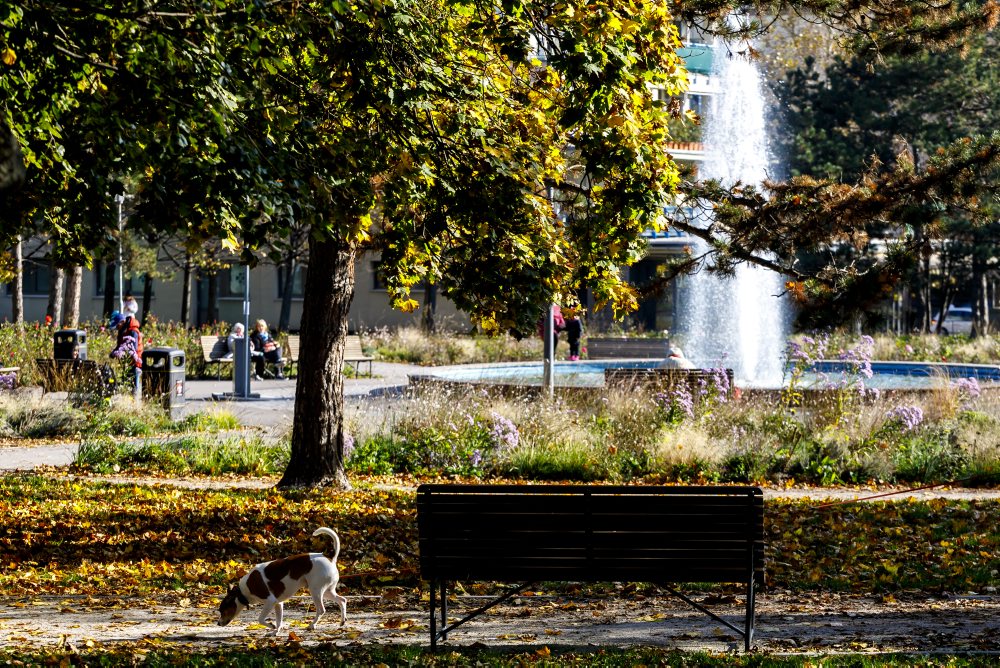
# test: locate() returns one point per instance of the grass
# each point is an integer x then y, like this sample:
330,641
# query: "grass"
206,455
274,656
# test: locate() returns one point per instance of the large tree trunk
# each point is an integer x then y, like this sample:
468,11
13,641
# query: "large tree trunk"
74,289
317,457
212,310
288,267
55,307
186,292
430,308
147,298
981,300
17,289
110,303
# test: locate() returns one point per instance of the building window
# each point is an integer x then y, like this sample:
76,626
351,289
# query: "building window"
298,281
36,279
378,276
232,282
697,103
131,285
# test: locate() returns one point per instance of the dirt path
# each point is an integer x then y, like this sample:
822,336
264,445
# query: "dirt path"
785,623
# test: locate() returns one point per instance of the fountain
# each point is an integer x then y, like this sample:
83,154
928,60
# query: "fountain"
740,322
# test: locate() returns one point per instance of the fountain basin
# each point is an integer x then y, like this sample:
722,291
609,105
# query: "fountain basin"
590,374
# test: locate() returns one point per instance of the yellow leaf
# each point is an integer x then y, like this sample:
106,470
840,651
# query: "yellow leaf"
8,56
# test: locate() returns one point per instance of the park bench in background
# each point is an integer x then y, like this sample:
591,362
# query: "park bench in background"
291,355
618,347
589,533
215,350
355,356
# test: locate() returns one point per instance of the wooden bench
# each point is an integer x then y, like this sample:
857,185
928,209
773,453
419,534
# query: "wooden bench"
602,348
589,533
215,350
291,354
355,356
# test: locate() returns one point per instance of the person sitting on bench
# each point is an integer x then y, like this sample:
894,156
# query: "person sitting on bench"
270,351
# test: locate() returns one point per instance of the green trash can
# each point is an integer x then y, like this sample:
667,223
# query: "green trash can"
163,371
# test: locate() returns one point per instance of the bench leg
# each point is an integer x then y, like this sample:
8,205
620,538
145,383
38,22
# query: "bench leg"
433,616
442,588
444,610
751,613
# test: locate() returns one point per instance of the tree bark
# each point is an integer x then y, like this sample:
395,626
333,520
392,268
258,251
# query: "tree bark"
74,290
317,458
186,292
147,298
430,308
212,310
288,267
109,289
55,307
981,300
17,290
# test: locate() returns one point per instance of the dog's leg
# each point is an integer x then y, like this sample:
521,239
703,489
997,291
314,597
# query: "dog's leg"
320,609
340,601
265,612
279,613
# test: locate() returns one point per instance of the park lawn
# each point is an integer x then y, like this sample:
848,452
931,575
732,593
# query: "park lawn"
63,536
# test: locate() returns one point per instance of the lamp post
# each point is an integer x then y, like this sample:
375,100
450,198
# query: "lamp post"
120,199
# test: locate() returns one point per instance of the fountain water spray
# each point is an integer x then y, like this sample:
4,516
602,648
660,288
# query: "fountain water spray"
738,322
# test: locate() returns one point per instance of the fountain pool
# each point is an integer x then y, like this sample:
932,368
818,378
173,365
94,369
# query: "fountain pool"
887,375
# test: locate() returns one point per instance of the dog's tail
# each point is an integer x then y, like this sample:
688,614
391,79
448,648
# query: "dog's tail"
336,540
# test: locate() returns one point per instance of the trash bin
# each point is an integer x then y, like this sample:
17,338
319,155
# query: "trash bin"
163,372
69,344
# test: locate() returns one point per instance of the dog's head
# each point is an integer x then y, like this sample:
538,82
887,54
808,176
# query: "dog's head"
233,604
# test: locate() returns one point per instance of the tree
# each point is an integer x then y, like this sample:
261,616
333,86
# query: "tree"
845,118
508,152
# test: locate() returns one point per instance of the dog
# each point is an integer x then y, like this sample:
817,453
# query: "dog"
274,582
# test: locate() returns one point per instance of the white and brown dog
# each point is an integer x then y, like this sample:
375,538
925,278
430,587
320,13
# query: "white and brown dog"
274,582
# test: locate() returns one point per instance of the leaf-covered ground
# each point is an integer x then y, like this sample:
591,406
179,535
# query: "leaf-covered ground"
140,568
72,537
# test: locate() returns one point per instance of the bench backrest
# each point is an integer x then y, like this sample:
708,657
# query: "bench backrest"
214,347
587,533
353,350
292,354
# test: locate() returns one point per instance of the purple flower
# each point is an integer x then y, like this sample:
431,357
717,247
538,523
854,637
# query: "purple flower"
348,446
475,458
503,433
908,417
967,386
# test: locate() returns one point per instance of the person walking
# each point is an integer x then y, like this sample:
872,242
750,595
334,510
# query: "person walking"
128,346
